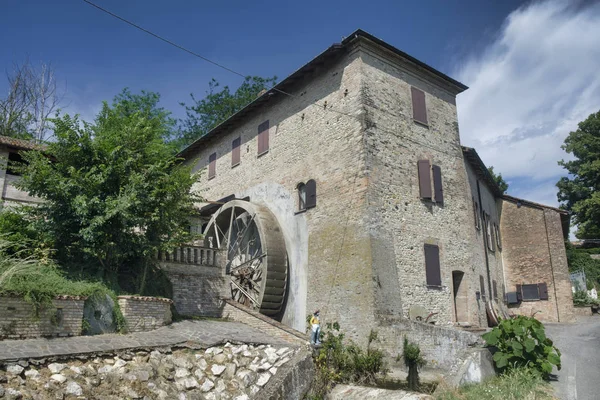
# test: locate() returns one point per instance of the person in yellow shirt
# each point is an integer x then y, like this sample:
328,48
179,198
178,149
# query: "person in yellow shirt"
316,329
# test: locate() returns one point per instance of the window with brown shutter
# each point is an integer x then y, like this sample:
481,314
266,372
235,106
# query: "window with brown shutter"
301,187
263,138
424,179
437,184
482,287
495,290
432,265
311,193
212,165
530,292
543,290
235,152
419,106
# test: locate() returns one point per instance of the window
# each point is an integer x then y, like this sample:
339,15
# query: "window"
14,160
498,239
437,184
419,106
263,138
476,214
432,265
301,196
532,292
424,179
482,287
495,290
212,165
311,194
489,232
235,152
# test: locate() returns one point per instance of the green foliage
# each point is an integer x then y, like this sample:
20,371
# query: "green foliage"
521,342
113,192
218,105
411,353
338,362
517,384
499,180
581,299
580,260
19,228
580,191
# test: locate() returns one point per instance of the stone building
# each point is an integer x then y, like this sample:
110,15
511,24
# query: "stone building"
354,165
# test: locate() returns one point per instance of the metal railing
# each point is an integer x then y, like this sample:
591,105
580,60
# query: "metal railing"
193,255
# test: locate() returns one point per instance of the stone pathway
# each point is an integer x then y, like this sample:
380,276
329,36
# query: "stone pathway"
203,333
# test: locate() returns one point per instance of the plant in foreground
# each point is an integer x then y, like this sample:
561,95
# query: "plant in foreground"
521,342
411,353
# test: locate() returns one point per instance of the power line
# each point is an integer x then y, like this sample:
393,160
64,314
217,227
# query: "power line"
324,106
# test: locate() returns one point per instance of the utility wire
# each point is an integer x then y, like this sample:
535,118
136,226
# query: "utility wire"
323,106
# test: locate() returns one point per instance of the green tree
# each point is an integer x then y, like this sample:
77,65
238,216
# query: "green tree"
499,180
579,192
113,192
218,105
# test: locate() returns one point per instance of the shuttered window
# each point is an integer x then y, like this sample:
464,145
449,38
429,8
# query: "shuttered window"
482,287
263,138
419,106
437,184
488,231
311,194
301,196
424,179
498,238
543,289
519,293
235,152
495,290
432,265
212,165
530,292
476,214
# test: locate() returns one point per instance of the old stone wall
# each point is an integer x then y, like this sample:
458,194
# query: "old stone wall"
18,318
400,223
328,246
145,313
534,253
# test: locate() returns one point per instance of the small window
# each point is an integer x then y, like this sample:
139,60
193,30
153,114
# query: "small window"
437,184
419,106
432,265
301,196
495,290
212,165
14,161
476,214
530,292
263,138
424,169
482,287
498,239
235,152
311,194
489,232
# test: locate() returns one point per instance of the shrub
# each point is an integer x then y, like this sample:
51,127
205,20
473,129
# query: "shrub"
413,361
581,299
521,342
338,362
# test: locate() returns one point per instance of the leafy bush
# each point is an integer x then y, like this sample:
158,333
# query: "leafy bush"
581,299
338,362
521,342
413,361
18,226
580,260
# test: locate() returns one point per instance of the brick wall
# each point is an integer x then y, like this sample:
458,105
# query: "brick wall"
145,313
18,320
534,253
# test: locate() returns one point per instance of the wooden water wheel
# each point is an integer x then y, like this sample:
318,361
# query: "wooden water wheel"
256,263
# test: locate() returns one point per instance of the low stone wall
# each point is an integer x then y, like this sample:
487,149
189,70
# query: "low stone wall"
145,313
269,326
583,311
18,319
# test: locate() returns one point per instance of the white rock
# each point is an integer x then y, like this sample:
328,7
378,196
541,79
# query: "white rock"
14,369
253,367
228,344
199,374
207,385
282,350
262,346
217,369
119,363
273,371
33,374
181,373
55,368
151,386
155,354
13,394
247,377
105,370
230,371
242,397
220,358
182,396
190,383
58,378
265,366
247,353
254,389
74,389
109,361
281,362
239,349
202,364
217,350
263,379
182,362
220,388
210,396
76,370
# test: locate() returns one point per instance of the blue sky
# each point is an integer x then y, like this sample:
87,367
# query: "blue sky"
518,58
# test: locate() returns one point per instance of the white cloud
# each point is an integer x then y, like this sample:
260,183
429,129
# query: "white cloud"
528,90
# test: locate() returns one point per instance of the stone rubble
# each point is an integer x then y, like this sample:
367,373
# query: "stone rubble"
225,372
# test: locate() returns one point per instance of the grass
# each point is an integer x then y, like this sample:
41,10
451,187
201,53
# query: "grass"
519,384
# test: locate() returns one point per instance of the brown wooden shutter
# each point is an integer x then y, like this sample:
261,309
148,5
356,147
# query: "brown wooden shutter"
419,106
543,288
424,179
495,289
263,137
498,237
437,184
519,293
482,286
432,265
212,165
492,236
311,193
235,151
